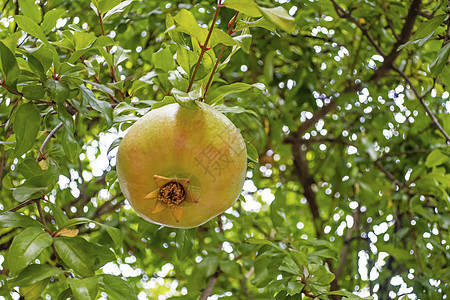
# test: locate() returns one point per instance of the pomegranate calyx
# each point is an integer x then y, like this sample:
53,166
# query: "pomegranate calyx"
172,193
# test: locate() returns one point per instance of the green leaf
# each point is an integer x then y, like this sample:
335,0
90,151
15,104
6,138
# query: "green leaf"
84,289
398,253
30,9
114,145
208,265
105,5
25,192
186,22
219,93
101,87
13,219
31,27
294,287
252,153
69,144
117,288
261,22
166,101
186,59
59,215
187,100
437,65
229,267
104,255
25,247
244,41
35,273
184,241
83,40
58,90
248,7
26,127
289,265
50,19
34,291
34,92
77,254
163,60
436,158
11,41
65,118
9,66
116,9
428,27
234,110
114,233
280,17
29,168
101,106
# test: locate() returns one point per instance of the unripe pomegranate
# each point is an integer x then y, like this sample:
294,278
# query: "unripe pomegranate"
180,167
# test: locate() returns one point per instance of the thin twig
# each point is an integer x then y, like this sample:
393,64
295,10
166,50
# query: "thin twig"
422,101
342,13
41,213
403,38
100,20
22,205
230,31
47,140
204,46
210,286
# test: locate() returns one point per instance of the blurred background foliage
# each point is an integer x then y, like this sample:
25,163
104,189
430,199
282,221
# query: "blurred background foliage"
347,115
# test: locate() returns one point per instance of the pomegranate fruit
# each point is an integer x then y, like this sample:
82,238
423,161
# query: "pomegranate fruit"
180,167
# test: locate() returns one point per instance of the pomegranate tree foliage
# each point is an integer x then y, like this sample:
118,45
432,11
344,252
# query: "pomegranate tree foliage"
345,108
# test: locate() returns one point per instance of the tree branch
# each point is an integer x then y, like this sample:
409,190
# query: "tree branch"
210,286
204,46
41,213
342,13
306,180
388,62
345,249
422,101
23,204
47,140
230,31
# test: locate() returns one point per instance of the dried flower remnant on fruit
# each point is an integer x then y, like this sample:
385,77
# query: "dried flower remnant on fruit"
172,193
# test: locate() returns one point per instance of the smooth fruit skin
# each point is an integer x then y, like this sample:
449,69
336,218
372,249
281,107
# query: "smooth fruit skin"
201,144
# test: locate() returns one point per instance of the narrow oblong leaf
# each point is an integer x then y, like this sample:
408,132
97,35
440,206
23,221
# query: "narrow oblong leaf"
84,289
429,26
26,127
114,233
117,288
77,254
31,27
13,219
219,93
101,106
35,273
437,65
9,66
436,158
30,9
50,19
248,7
280,17
25,247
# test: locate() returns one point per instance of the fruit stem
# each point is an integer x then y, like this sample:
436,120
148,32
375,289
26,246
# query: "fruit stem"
230,31
204,47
